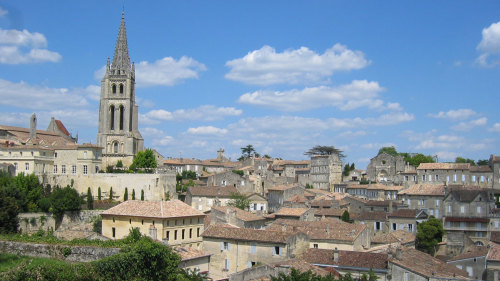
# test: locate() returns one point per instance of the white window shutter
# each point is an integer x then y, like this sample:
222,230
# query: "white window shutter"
228,246
222,246
274,251
249,264
281,251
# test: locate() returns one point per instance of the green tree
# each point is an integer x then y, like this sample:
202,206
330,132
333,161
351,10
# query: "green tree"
247,152
309,186
32,190
133,194
239,201
119,164
188,175
324,150
65,199
90,199
465,160
429,234
99,193
142,194
345,216
391,150
111,193
418,158
8,213
144,159
483,162
296,275
125,195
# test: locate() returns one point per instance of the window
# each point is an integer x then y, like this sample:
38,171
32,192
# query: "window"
478,225
253,249
63,169
130,221
55,169
121,88
473,178
315,246
377,225
114,231
410,227
447,178
497,224
190,233
469,270
462,209
463,178
437,177
226,264
168,235
198,232
437,203
113,89
454,177
394,226
277,251
225,246
449,208
142,222
406,178
406,276
175,235
478,209
85,155
27,166
84,169
462,225
183,232
482,179
423,177
73,169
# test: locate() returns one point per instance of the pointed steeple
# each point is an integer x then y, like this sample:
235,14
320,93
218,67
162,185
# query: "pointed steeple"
121,59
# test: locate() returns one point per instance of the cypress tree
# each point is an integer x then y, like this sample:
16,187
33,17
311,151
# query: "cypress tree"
90,200
142,194
133,194
99,193
125,196
111,193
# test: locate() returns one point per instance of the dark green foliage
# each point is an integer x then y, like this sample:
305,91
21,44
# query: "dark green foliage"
90,200
125,195
31,188
296,275
142,194
247,152
8,213
145,160
483,162
97,224
391,150
239,201
193,275
65,199
45,204
109,169
238,172
324,150
99,194
309,186
418,158
179,187
345,216
429,234
119,164
133,194
111,193
186,175
464,160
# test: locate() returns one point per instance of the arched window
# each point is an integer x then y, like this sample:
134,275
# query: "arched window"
122,111
112,117
121,88
114,88
115,147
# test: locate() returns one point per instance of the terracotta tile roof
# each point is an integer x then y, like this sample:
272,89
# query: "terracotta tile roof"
443,166
322,202
297,199
247,234
329,212
404,213
375,187
291,212
282,187
346,258
378,216
304,266
182,162
327,229
477,251
468,195
494,252
153,209
43,138
212,191
481,169
398,236
61,127
426,265
495,237
240,214
319,191
188,253
424,189
291,162
380,203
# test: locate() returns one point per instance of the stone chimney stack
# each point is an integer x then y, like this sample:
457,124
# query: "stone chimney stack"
33,128
336,255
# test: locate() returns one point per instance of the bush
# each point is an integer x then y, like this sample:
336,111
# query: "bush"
65,199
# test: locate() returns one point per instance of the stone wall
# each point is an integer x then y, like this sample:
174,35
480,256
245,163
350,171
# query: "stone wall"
32,222
68,253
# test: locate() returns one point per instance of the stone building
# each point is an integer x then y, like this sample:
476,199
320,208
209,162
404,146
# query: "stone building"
235,249
172,222
325,171
237,217
425,197
118,132
385,168
277,195
472,261
202,198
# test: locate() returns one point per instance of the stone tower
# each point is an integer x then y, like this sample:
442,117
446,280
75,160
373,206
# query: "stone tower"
118,133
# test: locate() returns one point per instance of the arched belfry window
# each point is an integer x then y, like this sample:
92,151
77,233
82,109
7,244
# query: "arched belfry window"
113,89
115,147
121,88
112,117
122,113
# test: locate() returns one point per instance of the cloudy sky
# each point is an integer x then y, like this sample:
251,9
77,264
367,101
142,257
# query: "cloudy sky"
280,75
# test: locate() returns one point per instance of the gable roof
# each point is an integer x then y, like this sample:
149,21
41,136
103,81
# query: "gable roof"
291,212
189,253
346,259
398,236
443,166
374,215
212,191
467,194
153,209
493,252
282,187
407,213
477,251
239,213
247,234
424,189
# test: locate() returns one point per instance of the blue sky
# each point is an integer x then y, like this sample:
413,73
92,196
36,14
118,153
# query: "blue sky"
280,75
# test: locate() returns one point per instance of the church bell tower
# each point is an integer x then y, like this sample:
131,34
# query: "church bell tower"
118,132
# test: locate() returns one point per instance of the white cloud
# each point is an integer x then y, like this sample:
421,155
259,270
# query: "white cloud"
447,155
359,93
18,47
167,71
382,120
495,128
3,12
201,113
454,115
207,130
266,67
352,134
163,141
489,45
42,97
467,126
153,132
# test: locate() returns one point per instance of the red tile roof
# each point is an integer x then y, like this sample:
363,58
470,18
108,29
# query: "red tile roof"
346,258
153,209
443,166
212,191
240,214
424,189
247,234
189,253
291,212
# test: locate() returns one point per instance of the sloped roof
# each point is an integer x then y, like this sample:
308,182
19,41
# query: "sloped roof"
477,251
247,234
405,213
424,189
480,169
329,212
282,187
493,252
44,139
378,216
443,166
240,214
212,191
291,212
190,253
398,236
346,258
153,209
467,195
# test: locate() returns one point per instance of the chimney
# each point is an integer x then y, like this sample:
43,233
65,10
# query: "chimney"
33,127
336,255
399,253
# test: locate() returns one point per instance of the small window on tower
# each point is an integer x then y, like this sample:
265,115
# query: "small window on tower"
121,88
114,89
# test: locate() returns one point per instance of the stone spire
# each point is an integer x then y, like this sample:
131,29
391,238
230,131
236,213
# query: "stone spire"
121,59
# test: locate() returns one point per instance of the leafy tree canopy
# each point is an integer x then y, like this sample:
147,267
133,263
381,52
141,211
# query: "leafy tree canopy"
483,162
429,234
465,160
391,150
324,150
239,201
144,159
247,152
